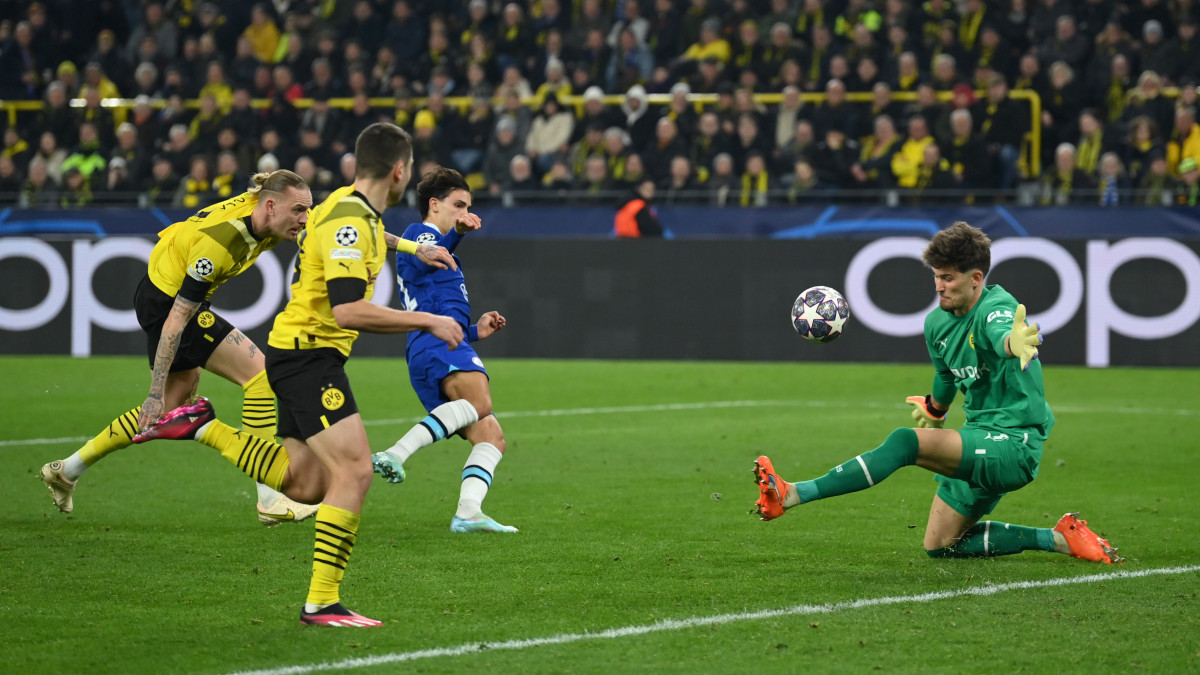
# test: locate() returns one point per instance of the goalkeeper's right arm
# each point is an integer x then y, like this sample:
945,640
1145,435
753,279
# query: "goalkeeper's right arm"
926,413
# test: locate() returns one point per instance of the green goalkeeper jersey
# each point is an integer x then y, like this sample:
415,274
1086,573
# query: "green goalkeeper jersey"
968,354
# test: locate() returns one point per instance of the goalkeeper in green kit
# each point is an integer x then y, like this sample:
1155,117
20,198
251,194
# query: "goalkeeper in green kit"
980,344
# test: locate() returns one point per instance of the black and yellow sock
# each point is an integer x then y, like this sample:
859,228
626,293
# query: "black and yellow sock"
119,434
337,529
258,407
264,461
991,538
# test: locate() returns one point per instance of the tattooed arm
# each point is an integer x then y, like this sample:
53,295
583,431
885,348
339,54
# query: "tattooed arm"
168,345
434,256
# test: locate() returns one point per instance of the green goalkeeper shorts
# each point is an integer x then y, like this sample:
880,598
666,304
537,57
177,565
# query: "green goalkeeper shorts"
993,464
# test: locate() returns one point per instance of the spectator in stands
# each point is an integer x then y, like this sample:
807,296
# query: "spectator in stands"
591,145
906,164
945,72
1094,141
637,217
835,111
88,156
708,142
681,186
10,182
1184,142
131,154
1065,183
558,179
630,62
1182,56
1149,101
999,120
1156,187
595,181
346,168
40,190
1187,189
1067,45
262,33
57,117
667,145
1060,106
639,124
556,81
936,181
1154,54
20,77
154,24
514,40
723,184
756,181
822,51
616,152
196,187
117,186
500,153
801,146
228,175
550,133
709,45
16,148
965,153
834,157
1142,143
881,104
1113,185
245,63
683,113
159,189
360,117
76,190
874,166
50,155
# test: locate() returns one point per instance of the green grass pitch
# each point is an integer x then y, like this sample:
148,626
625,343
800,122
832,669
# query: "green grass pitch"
631,484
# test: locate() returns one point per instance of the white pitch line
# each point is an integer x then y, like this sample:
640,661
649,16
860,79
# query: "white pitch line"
674,407
680,624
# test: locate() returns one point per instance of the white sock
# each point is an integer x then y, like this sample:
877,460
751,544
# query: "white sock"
73,467
477,478
200,432
267,496
310,608
441,422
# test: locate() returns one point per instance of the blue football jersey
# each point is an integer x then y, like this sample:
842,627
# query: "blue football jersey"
428,289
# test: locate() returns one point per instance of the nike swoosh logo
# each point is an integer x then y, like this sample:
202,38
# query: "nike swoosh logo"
281,516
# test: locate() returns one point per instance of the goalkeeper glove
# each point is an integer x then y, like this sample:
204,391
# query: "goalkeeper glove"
1024,339
924,412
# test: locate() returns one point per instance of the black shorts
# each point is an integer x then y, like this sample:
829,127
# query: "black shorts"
312,389
200,337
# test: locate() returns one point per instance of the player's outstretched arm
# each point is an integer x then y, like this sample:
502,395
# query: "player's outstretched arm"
488,324
168,345
1024,339
926,412
364,315
434,256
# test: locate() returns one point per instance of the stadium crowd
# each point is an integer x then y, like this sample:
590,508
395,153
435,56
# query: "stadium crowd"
555,97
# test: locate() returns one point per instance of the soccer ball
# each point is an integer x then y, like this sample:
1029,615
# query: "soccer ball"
820,314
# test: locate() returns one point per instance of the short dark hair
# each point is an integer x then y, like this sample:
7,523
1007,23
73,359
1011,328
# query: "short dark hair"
378,148
438,184
960,246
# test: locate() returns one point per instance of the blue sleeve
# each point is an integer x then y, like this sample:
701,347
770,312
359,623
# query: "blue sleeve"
450,240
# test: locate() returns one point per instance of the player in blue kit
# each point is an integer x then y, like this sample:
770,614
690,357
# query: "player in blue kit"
452,385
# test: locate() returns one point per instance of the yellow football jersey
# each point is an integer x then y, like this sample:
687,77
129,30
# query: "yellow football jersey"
343,239
213,246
